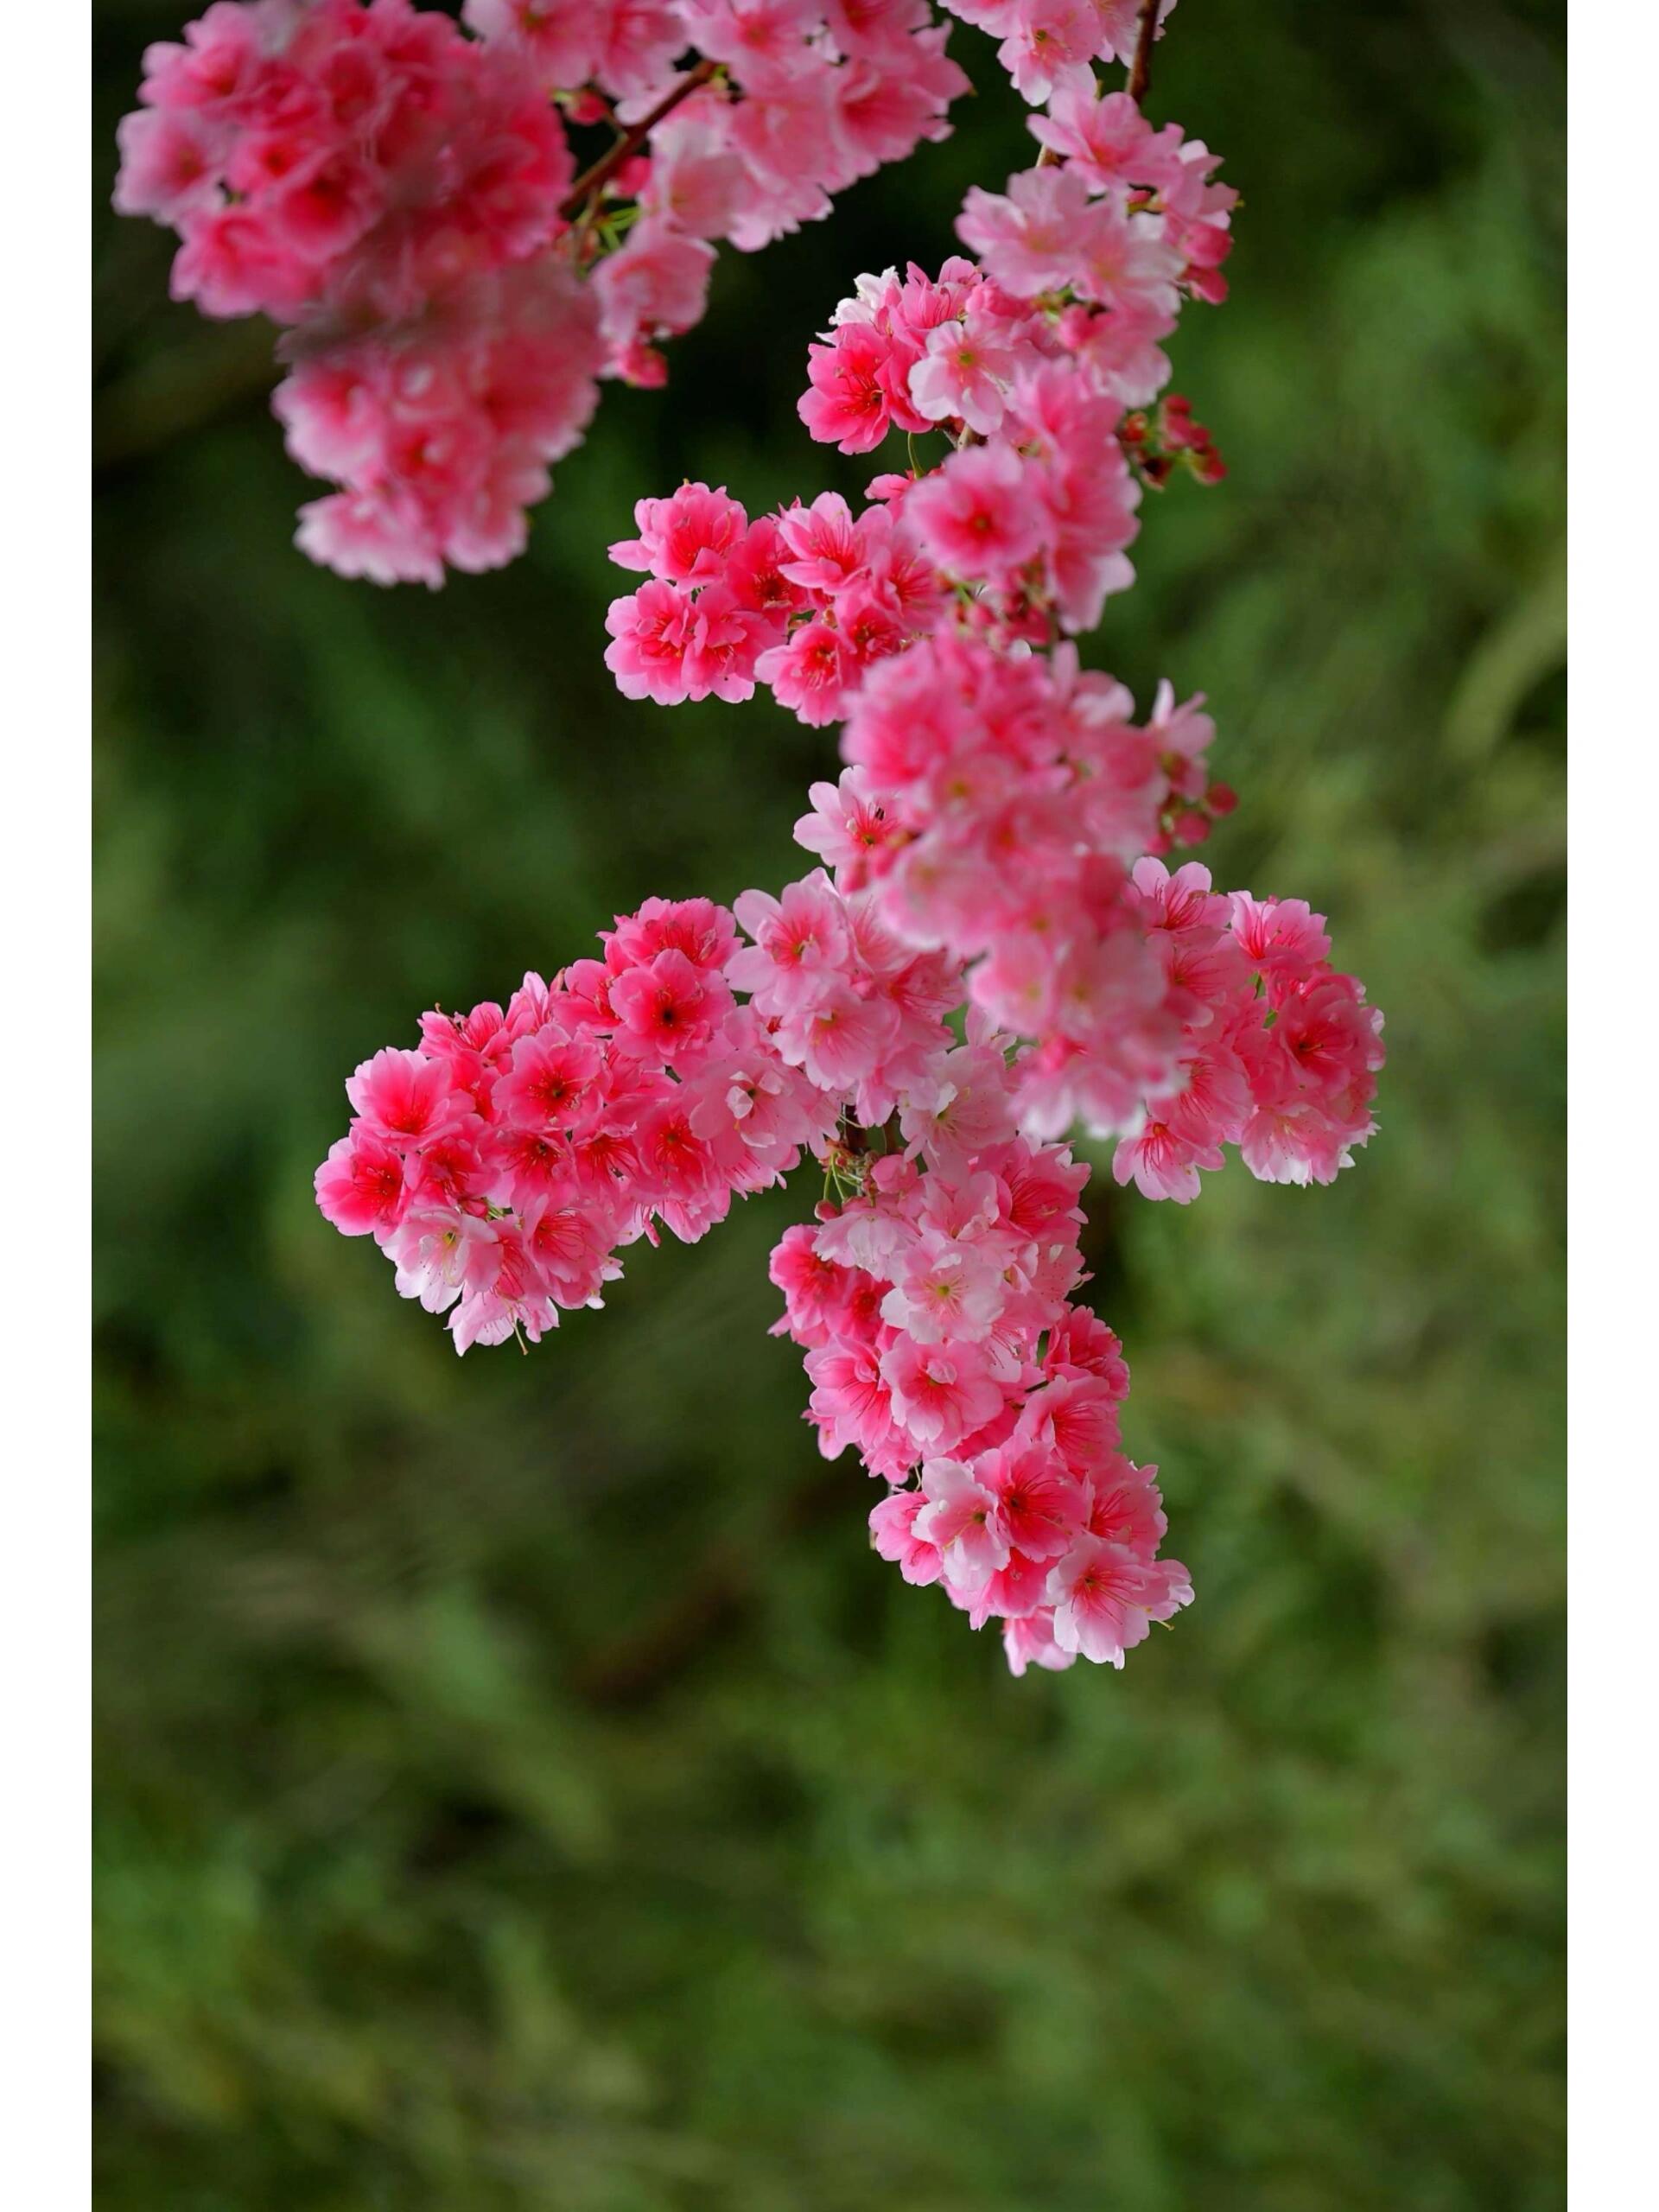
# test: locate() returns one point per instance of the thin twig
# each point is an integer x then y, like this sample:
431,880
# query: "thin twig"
1140,68
714,1595
593,180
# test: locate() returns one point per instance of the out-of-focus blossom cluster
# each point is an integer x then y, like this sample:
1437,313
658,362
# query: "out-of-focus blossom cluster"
404,198
1049,43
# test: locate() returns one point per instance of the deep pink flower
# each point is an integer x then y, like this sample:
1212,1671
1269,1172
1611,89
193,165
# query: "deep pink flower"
809,672
360,1186
404,1097
846,404
669,1004
686,539
978,515
940,1393
550,1078
1042,1505
652,630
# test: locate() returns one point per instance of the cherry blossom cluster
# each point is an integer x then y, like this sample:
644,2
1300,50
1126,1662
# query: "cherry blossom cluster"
994,808
1039,362
1047,43
993,949
933,1304
1002,804
404,199
503,1162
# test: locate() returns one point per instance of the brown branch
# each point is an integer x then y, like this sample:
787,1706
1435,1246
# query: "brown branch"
714,1596
593,180
1140,68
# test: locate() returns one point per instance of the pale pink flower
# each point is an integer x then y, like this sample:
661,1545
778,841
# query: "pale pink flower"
888,101
1162,1163
1029,1642
893,1532
1105,138
963,1522
1105,1599
1047,41
655,284
801,942
1125,262
430,1251
1028,238
168,170
559,39
847,828
943,1292
842,1038
965,371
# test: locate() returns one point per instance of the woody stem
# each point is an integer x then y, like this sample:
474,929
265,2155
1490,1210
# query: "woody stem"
593,180
1140,68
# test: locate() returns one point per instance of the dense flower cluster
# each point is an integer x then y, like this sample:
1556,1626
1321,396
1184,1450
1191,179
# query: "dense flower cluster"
1039,362
1049,43
995,805
934,1308
993,949
1002,804
404,199
503,1162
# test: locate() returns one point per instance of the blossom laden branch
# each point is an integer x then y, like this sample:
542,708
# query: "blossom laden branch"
1146,31
401,199
594,179
993,949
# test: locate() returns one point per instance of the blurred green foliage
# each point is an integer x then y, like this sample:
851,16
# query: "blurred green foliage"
520,1786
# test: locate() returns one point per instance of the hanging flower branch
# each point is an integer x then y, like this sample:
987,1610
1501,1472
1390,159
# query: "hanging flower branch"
404,201
993,949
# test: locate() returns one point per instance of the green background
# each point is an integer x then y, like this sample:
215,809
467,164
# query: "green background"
520,1786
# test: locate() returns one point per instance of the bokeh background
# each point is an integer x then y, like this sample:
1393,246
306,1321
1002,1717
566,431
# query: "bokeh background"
520,1786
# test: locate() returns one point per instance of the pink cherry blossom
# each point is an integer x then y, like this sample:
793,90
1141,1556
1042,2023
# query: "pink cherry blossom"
402,196
1105,1599
1003,940
963,1522
978,516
